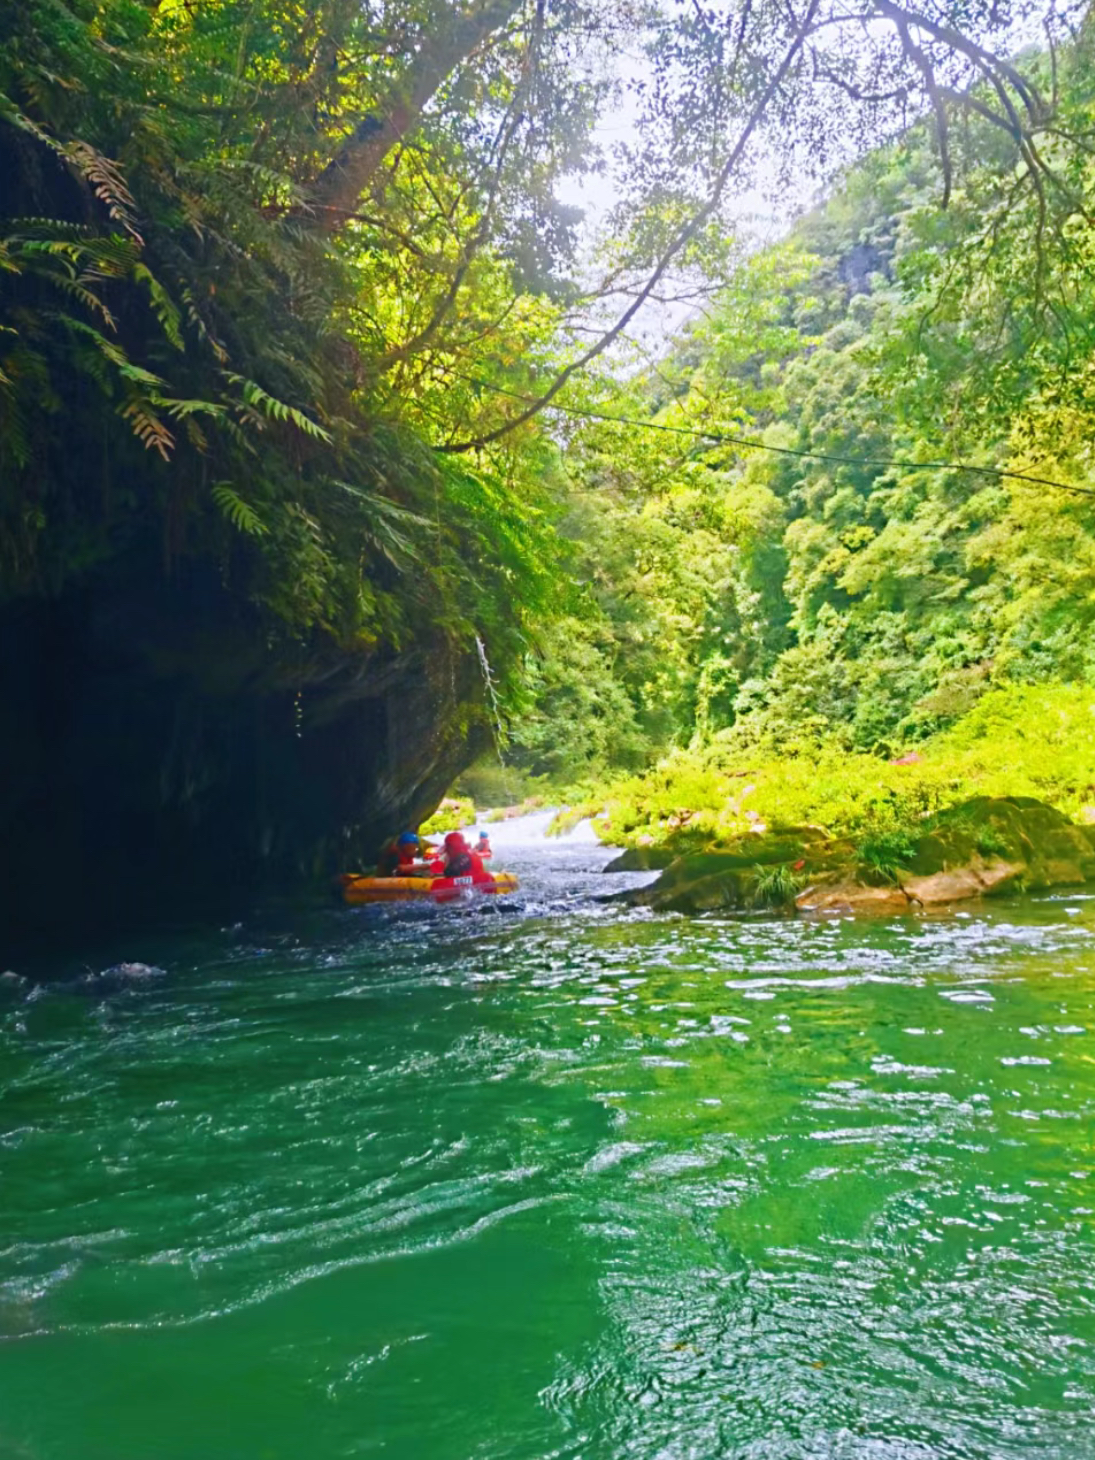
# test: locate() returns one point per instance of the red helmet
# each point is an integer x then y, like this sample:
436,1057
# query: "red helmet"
455,842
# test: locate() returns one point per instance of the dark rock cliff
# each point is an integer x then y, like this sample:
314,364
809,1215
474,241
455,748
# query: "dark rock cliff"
166,754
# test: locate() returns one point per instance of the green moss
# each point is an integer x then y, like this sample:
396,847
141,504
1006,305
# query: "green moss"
1042,849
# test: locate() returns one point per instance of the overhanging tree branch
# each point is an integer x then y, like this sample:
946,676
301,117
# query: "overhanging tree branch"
986,61
346,177
931,86
506,133
682,237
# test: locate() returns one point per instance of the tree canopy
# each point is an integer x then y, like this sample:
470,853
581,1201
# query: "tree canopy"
293,288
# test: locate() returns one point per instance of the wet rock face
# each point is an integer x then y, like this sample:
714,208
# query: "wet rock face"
164,757
986,846
852,896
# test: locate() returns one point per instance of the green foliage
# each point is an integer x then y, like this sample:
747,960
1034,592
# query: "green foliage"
776,885
884,855
990,843
1031,740
451,815
857,591
241,516
580,722
195,362
524,807
1025,741
215,343
491,783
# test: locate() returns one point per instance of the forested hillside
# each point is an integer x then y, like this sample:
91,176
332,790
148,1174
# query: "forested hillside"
850,583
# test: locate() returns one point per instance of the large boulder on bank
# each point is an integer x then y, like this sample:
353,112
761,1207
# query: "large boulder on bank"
989,845
1038,845
759,870
845,894
790,844
642,859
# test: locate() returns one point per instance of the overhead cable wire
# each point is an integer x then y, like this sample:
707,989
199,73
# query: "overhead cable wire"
723,438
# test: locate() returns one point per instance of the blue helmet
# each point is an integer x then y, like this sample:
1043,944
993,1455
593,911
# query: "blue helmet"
407,837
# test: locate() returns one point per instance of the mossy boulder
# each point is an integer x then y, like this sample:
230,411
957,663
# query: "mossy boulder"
788,845
642,859
1043,847
989,845
761,870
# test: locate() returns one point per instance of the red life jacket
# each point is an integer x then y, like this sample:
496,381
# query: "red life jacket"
464,864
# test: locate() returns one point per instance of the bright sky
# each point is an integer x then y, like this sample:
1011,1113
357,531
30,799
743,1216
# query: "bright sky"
761,213
756,213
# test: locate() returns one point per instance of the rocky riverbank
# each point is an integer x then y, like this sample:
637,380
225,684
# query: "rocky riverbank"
983,847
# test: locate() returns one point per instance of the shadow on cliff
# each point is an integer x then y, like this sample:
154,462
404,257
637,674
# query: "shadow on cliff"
166,757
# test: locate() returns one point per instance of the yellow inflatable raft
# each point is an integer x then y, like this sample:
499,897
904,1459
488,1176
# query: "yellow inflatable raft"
357,888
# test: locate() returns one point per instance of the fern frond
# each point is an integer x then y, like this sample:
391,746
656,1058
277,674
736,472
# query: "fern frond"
140,376
107,183
147,427
76,290
382,509
34,225
113,257
381,519
18,118
182,409
163,305
104,175
274,187
277,410
14,436
239,436
114,353
240,514
125,367
193,313
92,363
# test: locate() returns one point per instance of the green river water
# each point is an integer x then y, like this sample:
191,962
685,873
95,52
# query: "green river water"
556,1180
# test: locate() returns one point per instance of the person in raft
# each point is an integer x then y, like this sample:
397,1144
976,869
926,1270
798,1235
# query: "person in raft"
482,846
402,856
460,861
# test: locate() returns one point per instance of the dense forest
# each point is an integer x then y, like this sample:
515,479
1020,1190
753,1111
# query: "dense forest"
315,399
900,515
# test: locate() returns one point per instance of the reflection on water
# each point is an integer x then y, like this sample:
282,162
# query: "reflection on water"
559,1181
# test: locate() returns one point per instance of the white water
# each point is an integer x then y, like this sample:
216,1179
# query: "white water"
556,872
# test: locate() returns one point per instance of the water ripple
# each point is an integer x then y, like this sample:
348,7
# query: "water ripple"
558,1181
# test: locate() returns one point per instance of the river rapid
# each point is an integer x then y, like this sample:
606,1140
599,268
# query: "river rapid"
551,1179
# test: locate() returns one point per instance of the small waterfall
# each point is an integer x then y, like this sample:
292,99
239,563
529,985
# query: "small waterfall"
495,712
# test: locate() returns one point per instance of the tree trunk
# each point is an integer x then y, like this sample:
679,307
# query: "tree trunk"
339,187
